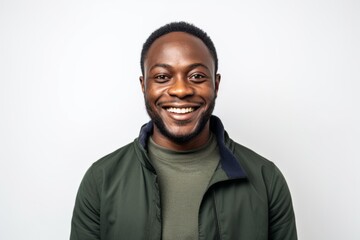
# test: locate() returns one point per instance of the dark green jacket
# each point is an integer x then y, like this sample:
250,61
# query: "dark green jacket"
247,198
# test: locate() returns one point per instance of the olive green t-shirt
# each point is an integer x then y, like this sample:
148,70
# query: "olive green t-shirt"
183,178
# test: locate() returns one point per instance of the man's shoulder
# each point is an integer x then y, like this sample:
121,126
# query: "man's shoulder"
120,156
245,154
123,163
253,163
261,173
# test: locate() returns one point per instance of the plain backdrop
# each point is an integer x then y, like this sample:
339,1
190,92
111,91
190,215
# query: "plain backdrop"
70,94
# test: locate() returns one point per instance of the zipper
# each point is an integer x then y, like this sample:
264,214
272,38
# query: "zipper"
216,218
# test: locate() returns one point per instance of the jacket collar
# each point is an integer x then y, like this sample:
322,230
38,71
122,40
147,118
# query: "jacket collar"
228,161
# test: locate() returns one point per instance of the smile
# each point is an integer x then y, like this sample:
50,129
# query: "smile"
180,110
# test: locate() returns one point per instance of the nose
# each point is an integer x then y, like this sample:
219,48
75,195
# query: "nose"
181,88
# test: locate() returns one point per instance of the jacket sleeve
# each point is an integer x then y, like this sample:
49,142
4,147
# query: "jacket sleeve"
281,214
85,224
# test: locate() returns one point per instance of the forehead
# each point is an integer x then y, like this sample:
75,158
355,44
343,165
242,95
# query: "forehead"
178,47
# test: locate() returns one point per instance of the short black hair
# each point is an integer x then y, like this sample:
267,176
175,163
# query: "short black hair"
178,27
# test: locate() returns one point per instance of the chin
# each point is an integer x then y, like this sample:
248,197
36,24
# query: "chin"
186,131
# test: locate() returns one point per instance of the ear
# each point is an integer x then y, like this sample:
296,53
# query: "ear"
217,82
142,83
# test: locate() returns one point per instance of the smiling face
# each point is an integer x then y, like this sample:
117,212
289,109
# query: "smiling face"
180,87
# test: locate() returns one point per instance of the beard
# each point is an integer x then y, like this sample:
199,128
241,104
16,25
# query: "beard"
180,138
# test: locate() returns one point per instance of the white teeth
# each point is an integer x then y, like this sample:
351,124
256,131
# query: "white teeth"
180,110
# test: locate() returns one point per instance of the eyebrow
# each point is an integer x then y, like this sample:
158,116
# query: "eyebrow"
195,65
191,66
162,65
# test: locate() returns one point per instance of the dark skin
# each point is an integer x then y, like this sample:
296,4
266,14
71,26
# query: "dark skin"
180,87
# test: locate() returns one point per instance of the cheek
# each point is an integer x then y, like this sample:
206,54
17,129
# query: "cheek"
207,93
153,93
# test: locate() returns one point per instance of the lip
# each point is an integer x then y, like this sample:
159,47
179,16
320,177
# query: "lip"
183,117
180,105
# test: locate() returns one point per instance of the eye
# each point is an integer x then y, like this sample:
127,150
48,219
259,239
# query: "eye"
197,77
161,78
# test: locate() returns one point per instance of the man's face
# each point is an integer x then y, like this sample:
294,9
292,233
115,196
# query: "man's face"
179,86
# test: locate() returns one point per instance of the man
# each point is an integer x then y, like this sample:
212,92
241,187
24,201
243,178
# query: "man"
183,177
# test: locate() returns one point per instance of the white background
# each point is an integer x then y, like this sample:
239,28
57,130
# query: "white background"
70,94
